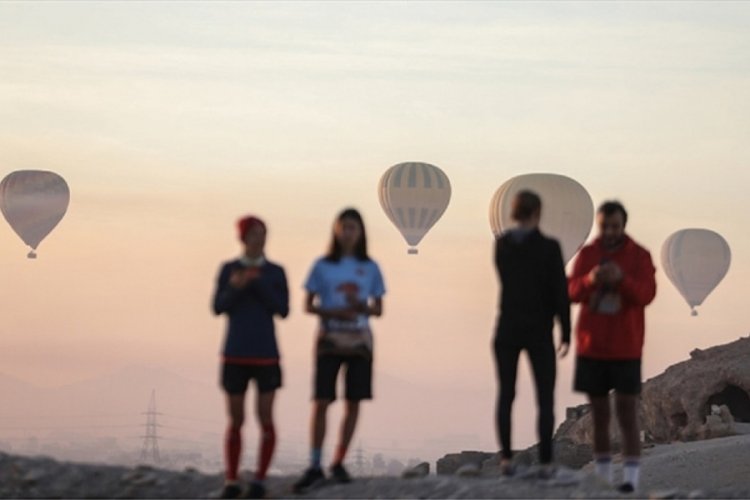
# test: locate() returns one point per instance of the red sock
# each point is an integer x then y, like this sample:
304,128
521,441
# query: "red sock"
340,454
267,445
232,449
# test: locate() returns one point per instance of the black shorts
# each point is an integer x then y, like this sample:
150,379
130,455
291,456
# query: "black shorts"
235,377
358,377
596,377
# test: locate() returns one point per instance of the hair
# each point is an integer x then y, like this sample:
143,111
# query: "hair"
611,207
360,250
525,204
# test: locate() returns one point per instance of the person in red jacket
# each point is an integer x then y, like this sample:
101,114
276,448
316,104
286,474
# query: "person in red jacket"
613,280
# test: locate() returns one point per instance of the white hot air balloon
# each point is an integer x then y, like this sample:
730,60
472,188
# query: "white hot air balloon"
695,261
414,196
567,209
33,202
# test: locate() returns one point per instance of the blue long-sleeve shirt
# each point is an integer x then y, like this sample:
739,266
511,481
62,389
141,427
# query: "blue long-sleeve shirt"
250,334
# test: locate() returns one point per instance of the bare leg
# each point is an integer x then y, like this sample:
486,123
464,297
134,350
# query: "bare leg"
348,425
626,406
318,427
600,413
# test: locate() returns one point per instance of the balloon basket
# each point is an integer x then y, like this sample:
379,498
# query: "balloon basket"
31,255
693,313
412,251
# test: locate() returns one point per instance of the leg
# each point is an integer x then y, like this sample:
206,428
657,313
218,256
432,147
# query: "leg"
626,406
264,408
349,423
358,387
318,427
233,440
326,373
506,358
234,380
544,366
600,413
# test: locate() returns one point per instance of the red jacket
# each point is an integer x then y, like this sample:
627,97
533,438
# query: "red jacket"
619,335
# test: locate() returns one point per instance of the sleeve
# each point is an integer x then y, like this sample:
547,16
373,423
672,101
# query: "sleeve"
498,255
272,291
560,288
579,285
378,285
314,283
639,288
225,296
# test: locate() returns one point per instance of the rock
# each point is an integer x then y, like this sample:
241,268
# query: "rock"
34,475
664,494
468,470
449,464
676,404
419,470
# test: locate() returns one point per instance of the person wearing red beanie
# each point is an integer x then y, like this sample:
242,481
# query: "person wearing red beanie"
250,290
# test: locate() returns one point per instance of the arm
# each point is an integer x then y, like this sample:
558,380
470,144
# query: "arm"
226,294
560,287
342,313
272,291
580,283
639,288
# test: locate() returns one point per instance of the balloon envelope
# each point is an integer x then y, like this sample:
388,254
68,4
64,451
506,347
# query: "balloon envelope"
33,202
567,209
414,196
695,261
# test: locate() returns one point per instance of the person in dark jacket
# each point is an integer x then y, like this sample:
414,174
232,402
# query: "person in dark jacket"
533,292
250,291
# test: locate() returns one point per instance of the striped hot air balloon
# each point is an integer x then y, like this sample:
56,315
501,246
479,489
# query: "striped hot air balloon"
414,195
33,202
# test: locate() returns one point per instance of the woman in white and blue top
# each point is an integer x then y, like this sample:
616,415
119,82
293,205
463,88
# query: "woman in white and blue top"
344,288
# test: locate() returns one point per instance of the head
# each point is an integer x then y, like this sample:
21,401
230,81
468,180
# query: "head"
611,218
349,236
252,233
526,208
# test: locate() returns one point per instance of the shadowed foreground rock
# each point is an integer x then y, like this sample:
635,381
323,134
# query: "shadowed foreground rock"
25,477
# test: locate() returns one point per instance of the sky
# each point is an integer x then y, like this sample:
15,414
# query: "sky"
169,120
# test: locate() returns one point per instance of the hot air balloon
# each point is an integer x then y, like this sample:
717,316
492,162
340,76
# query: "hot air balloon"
695,261
414,196
33,202
567,209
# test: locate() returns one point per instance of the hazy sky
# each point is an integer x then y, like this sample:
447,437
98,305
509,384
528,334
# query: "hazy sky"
169,120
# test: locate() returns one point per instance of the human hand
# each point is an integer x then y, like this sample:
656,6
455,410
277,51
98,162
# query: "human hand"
611,274
241,277
563,349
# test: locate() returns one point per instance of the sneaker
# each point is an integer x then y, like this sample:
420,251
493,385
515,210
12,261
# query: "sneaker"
626,488
312,476
256,490
231,490
507,469
340,474
546,471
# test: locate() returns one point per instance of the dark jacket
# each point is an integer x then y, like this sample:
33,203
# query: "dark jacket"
250,329
534,289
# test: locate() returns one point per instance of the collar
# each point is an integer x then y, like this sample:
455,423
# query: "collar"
248,262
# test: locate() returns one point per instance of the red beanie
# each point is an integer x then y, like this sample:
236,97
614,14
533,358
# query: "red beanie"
246,223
